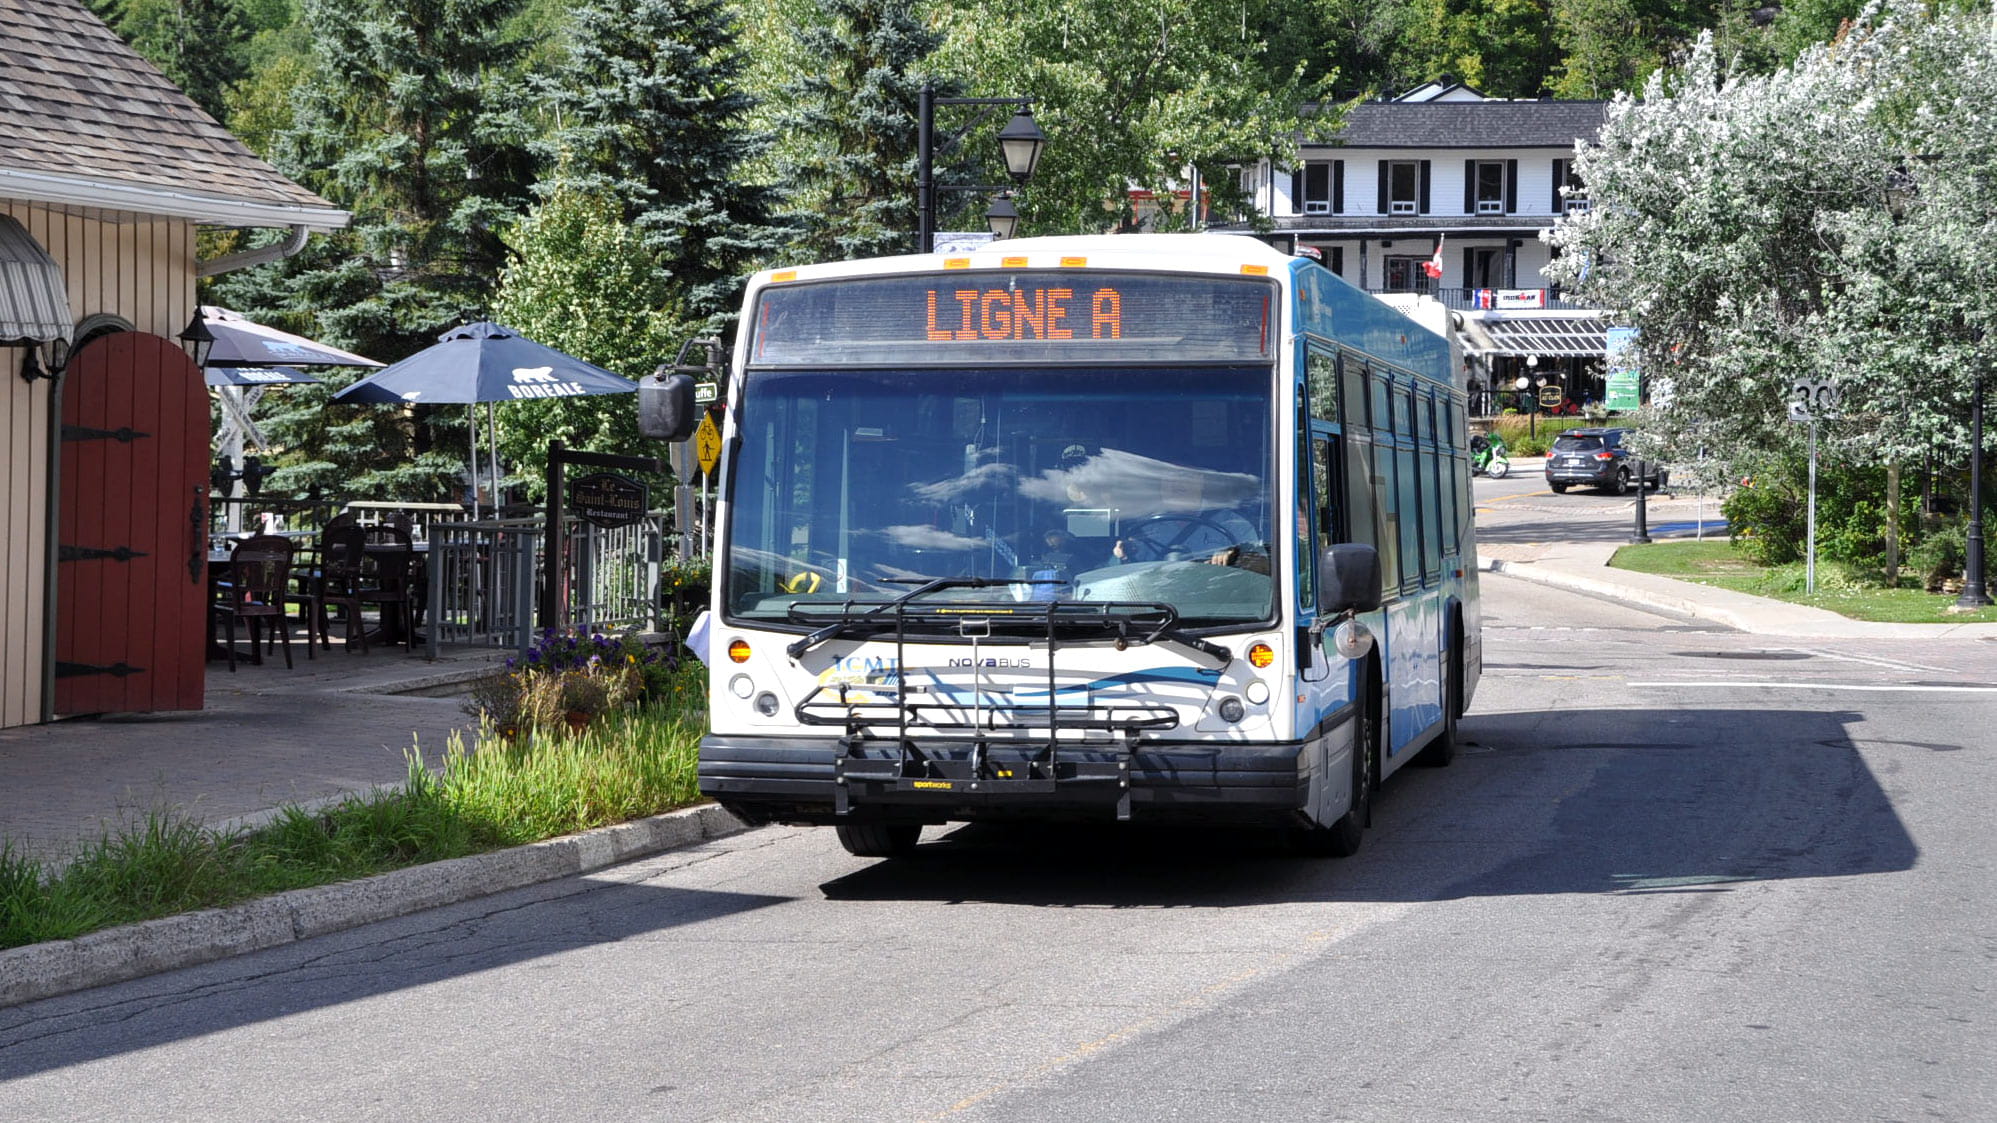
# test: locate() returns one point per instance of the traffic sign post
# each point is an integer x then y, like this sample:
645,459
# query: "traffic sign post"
1812,399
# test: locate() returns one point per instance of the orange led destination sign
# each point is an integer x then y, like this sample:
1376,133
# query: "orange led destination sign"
979,317
1020,313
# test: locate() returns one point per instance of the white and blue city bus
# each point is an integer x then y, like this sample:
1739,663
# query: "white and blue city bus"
1167,528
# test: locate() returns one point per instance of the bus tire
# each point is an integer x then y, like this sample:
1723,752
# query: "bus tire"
1342,838
878,840
1440,752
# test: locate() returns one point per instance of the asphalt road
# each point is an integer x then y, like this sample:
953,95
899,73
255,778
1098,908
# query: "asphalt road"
1682,874
1520,510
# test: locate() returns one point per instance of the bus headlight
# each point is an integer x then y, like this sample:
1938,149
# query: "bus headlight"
1231,710
766,704
1258,692
1351,639
741,686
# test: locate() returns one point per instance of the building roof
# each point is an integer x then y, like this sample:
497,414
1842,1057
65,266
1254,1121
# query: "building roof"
1466,124
92,125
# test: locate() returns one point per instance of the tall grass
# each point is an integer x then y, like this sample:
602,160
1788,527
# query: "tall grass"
498,793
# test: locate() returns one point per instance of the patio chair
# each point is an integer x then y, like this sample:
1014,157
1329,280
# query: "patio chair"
368,566
254,591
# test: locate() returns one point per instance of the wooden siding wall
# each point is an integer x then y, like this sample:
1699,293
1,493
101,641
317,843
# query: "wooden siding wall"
141,269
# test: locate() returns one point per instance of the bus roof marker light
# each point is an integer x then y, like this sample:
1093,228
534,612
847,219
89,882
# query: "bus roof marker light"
956,263
1013,262
782,275
1256,270
1074,263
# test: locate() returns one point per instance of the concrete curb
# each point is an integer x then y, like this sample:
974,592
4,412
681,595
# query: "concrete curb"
116,954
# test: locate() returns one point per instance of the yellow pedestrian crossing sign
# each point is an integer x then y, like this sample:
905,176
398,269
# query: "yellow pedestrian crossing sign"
707,443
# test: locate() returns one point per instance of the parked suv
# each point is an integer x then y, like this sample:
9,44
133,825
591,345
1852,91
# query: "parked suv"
1596,457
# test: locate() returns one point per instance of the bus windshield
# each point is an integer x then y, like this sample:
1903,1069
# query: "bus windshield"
1149,485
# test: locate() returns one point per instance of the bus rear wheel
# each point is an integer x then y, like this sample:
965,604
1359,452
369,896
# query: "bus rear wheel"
878,840
1441,751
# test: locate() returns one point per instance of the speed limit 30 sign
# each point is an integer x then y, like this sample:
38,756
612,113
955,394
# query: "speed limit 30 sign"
1812,399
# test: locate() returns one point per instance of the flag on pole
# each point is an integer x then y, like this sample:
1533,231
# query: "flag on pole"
1433,266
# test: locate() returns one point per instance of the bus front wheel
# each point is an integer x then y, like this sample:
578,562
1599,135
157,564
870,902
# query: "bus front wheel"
1342,838
878,840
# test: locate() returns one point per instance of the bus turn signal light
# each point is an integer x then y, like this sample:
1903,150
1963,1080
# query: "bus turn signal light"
1261,655
738,650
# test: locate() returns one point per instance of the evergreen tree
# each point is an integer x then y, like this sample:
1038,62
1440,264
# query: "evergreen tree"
653,115
410,120
850,123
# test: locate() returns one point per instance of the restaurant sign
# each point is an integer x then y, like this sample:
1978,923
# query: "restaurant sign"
607,499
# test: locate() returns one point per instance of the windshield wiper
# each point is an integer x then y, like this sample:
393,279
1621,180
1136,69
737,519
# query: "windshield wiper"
1165,629
839,627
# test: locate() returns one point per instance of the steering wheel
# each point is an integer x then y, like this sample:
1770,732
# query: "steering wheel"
1173,535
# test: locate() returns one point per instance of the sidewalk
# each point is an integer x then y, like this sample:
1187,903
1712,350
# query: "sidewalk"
1583,567
335,724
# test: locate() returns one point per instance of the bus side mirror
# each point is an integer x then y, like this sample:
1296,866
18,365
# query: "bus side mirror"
1348,579
665,406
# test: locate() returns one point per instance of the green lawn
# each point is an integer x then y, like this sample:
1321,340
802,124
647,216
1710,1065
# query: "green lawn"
1838,589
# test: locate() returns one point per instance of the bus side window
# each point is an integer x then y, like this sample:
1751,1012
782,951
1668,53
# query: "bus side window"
1321,374
1315,515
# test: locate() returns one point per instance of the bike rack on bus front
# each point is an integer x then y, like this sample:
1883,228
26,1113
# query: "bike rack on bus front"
1039,768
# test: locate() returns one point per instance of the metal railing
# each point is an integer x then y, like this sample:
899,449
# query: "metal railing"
614,574
1476,300
483,581
486,578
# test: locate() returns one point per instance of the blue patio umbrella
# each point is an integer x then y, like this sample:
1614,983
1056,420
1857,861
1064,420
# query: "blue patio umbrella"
241,342
253,376
490,363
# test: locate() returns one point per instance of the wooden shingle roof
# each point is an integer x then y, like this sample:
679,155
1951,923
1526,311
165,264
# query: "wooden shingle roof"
84,118
1468,124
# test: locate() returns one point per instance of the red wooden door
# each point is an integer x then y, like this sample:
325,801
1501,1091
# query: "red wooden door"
132,529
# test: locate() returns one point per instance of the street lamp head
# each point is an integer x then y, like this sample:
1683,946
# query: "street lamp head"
196,332
1523,382
1532,360
1021,140
1003,217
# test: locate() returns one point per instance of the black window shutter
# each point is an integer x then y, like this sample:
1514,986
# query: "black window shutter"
1338,257
1423,207
1559,181
1338,187
1383,187
1511,186
1469,260
1469,187
1297,190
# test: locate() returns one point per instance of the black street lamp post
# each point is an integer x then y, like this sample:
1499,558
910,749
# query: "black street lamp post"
1020,141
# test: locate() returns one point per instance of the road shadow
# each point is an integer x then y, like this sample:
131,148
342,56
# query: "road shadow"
503,930
1573,801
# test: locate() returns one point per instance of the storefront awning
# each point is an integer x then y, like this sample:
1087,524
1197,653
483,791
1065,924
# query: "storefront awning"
34,301
1583,336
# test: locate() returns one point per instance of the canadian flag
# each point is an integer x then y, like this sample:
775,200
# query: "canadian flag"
1433,266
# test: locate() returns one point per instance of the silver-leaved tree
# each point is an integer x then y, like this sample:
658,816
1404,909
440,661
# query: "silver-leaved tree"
1831,220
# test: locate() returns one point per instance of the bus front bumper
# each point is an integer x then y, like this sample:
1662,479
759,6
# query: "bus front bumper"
820,780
